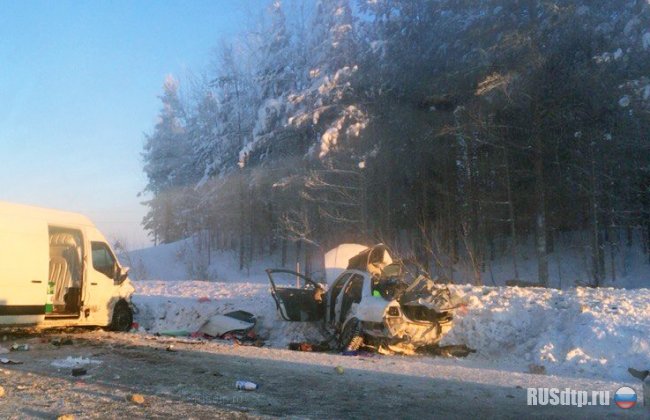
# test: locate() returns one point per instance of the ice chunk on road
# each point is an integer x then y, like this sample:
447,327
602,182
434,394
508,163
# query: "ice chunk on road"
71,362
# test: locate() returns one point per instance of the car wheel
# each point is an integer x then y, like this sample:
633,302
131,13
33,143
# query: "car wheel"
351,338
122,317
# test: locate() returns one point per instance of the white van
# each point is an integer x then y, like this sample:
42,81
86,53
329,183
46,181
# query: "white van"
57,269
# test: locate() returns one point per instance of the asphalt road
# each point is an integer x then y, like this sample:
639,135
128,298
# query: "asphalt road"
197,381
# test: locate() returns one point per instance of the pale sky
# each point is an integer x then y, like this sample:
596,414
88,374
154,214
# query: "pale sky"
79,85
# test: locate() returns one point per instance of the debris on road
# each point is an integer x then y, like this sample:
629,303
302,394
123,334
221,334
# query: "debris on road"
339,370
235,326
2,392
246,385
643,376
168,339
19,347
58,341
74,362
639,374
452,350
243,339
6,361
231,322
174,333
136,398
310,347
536,369
79,371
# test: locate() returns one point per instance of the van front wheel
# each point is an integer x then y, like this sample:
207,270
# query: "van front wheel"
122,317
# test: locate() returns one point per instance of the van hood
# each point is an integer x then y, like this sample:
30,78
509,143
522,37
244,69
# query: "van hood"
126,289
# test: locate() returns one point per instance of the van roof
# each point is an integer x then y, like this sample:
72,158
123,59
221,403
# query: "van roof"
49,215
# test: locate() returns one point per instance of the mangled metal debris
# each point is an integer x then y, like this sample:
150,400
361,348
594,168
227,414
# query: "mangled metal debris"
231,322
369,303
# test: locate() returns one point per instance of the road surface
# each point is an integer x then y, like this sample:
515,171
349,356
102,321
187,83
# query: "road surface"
197,381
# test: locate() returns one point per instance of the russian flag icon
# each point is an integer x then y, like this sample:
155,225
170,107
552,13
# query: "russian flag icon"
625,397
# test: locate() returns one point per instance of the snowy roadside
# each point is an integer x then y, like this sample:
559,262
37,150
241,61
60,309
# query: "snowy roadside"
187,305
581,332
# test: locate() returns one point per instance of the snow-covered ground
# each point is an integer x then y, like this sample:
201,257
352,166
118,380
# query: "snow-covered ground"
583,332
182,305
579,332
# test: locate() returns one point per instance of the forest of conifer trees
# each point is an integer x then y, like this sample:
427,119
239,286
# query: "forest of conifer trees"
456,132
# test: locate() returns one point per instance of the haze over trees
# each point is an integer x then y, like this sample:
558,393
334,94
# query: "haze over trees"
456,132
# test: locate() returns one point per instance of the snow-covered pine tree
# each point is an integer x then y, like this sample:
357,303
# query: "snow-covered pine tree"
169,168
327,106
275,77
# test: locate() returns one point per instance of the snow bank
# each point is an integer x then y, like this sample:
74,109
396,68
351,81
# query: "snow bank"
598,332
583,331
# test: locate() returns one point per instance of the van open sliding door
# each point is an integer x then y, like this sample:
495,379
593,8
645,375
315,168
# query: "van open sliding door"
24,264
65,273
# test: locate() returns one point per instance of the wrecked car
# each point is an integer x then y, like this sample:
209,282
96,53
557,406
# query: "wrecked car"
368,303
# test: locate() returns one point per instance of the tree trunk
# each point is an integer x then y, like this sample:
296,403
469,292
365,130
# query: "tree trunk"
298,255
540,218
425,241
209,237
273,240
596,248
511,216
613,248
364,204
251,226
308,267
242,233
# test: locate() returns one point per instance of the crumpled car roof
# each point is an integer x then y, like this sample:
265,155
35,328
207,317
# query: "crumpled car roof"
371,259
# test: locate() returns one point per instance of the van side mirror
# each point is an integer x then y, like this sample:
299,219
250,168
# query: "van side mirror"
121,273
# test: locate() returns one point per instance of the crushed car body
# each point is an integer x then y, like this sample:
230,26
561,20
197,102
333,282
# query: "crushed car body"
369,303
